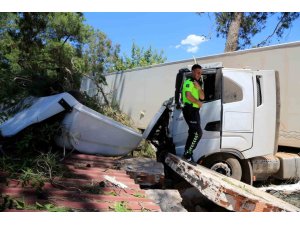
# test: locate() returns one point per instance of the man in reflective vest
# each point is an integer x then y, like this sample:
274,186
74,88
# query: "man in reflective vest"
192,93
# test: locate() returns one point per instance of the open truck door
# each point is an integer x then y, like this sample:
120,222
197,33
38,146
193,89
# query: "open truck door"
237,109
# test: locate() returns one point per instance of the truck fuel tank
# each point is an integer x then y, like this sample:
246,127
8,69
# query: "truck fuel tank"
264,166
289,166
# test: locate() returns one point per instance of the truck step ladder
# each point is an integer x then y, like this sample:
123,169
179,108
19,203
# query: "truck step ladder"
225,191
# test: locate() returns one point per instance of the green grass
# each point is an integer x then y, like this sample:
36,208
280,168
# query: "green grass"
51,208
112,193
138,195
145,149
9,202
121,207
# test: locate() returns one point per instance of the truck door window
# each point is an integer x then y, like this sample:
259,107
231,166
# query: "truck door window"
212,87
232,92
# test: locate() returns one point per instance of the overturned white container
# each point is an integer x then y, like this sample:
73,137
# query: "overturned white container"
41,109
91,132
83,128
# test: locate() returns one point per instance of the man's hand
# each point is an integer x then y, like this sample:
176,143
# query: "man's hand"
199,103
197,85
201,93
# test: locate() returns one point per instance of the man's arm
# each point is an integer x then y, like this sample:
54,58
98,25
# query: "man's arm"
192,99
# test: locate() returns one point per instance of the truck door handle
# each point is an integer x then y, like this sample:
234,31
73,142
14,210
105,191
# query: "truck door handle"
213,126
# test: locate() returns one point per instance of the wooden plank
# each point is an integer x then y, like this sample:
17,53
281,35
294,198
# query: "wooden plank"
227,192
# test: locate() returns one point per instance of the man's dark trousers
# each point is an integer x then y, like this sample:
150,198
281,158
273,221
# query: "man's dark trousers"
192,118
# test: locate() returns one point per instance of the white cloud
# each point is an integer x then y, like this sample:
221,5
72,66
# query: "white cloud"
192,43
193,40
192,49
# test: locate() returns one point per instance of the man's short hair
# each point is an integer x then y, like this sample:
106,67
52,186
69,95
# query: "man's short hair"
196,66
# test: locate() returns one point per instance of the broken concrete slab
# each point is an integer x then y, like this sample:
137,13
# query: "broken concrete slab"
227,192
194,201
193,197
168,200
145,171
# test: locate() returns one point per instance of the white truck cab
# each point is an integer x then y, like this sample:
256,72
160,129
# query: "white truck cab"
239,119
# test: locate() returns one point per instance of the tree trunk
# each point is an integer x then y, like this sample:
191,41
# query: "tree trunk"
233,32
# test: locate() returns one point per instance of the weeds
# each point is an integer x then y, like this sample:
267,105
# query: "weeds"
28,177
14,203
29,155
51,208
145,149
48,165
113,111
33,171
33,140
121,207
11,203
138,195
7,164
111,193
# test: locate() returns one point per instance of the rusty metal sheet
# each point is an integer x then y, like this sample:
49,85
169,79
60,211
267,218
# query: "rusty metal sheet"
227,192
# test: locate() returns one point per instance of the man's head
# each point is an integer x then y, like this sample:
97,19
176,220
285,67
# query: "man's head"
196,71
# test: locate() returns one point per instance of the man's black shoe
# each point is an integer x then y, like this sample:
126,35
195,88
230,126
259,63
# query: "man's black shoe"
189,158
187,155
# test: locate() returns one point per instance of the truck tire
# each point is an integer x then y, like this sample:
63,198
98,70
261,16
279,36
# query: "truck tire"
247,175
225,164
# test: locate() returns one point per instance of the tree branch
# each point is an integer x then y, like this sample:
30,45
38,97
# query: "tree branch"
271,35
99,87
66,40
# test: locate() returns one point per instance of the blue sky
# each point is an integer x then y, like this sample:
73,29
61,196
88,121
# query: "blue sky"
180,35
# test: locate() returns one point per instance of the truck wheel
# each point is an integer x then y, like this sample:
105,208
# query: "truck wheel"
247,176
225,164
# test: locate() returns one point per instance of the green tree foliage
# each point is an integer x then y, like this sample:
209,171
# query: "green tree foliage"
41,53
47,53
8,56
140,58
100,53
100,56
239,27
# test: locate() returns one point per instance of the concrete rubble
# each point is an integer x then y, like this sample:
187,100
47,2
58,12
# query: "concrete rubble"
194,201
168,200
145,171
